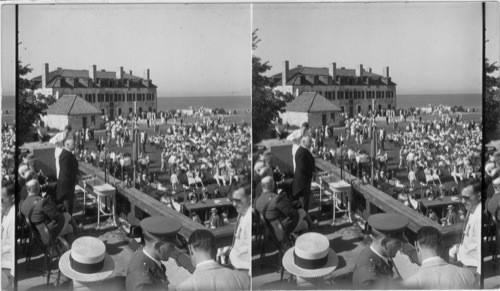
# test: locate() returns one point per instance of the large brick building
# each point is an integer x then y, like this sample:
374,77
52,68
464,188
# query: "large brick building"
113,93
352,90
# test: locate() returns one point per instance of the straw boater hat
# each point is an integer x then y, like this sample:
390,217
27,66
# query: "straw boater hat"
311,257
87,261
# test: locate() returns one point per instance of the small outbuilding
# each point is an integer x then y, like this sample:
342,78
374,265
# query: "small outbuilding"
313,108
72,110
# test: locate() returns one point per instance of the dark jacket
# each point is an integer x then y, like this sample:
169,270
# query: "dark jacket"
371,271
279,209
304,168
68,172
144,274
44,211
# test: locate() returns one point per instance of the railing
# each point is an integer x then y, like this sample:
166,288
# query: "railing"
135,205
369,200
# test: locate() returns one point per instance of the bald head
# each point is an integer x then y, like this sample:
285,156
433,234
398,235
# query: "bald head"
69,145
267,184
33,187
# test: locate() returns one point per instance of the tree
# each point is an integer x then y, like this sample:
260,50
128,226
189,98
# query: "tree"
491,102
30,105
266,104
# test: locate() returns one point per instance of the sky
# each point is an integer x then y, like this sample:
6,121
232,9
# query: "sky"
430,48
191,50
196,50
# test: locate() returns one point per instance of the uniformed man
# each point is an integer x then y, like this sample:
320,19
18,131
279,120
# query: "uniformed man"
145,270
374,267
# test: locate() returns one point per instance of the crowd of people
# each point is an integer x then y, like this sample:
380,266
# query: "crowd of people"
282,200
430,152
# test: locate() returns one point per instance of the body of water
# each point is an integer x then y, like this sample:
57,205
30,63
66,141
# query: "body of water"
8,103
466,100
228,103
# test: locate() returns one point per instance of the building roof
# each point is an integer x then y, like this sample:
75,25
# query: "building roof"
67,78
312,76
72,105
311,102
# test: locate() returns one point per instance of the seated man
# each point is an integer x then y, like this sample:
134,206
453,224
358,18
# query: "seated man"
209,275
41,210
436,273
277,208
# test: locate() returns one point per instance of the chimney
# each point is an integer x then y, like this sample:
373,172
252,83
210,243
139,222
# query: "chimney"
130,72
120,74
284,74
370,70
147,74
334,70
360,70
45,75
386,72
92,74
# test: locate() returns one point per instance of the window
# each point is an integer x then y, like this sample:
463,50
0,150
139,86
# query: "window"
342,109
363,95
359,108
332,116
107,97
92,119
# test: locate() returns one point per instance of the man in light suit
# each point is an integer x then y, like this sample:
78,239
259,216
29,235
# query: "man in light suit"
303,173
436,273
209,275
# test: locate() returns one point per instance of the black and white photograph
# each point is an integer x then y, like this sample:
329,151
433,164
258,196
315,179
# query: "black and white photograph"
231,145
134,137
367,130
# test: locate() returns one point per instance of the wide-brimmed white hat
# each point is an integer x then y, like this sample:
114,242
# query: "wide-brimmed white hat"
311,257
87,261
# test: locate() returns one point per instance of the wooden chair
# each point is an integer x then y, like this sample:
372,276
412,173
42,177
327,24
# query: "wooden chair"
52,250
281,244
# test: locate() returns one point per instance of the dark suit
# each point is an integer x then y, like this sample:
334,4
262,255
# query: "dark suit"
371,271
145,274
44,211
280,208
305,166
68,166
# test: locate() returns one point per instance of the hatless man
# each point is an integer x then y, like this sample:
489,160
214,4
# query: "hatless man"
304,170
436,273
66,181
240,251
8,236
41,210
374,268
210,275
296,137
278,209
59,140
468,252
145,270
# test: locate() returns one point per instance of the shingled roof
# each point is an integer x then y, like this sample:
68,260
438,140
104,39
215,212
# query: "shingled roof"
72,105
81,78
311,76
311,102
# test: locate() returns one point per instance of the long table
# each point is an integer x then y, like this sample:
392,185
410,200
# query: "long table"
440,203
207,204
